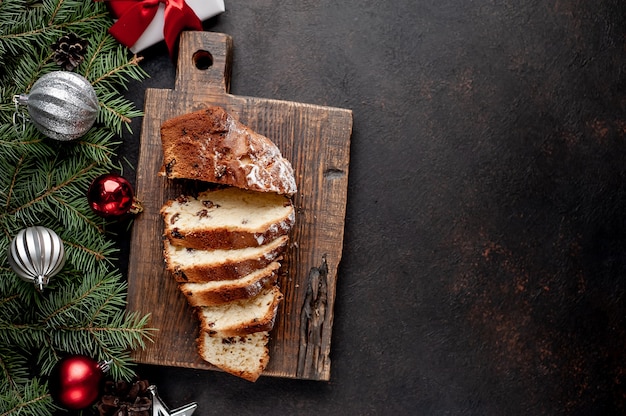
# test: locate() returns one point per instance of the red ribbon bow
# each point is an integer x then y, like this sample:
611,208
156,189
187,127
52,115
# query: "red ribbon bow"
135,18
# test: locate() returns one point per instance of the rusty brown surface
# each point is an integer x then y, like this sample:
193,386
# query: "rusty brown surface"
484,270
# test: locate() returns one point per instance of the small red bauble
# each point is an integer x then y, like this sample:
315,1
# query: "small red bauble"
111,195
75,381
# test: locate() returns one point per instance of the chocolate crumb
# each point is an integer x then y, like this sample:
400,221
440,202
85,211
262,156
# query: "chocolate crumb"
182,199
170,166
174,218
203,213
178,272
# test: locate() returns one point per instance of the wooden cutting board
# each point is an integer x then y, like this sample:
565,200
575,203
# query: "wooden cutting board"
316,139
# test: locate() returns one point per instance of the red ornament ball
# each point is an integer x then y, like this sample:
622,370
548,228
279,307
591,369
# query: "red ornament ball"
110,195
75,382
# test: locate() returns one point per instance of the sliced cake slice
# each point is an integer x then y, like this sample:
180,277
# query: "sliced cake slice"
221,291
243,316
191,265
228,218
210,145
244,356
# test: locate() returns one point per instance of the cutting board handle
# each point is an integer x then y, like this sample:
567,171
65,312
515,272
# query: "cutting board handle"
204,62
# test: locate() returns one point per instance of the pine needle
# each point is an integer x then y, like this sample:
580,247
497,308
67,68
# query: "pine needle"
44,182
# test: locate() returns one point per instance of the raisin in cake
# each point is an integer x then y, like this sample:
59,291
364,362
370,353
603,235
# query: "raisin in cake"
228,218
211,146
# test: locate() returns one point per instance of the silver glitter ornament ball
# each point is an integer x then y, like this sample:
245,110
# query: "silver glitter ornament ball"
62,105
36,254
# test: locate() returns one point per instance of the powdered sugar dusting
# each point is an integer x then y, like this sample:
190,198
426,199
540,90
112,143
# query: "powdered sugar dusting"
266,165
211,145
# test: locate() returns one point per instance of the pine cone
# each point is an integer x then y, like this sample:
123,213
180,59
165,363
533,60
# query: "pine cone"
69,51
125,399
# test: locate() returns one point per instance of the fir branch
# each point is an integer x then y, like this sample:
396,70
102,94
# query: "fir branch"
44,182
14,144
97,145
47,192
13,370
27,28
121,73
32,399
72,214
9,306
73,306
12,184
21,299
108,70
93,314
118,111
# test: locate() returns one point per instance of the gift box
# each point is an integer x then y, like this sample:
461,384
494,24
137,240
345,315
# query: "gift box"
153,33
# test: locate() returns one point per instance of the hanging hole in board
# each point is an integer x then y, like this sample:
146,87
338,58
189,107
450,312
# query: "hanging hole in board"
203,60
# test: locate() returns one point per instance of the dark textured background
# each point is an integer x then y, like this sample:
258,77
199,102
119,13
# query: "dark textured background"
484,269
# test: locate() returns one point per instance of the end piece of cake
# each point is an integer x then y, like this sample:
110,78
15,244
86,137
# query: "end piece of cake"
244,356
210,145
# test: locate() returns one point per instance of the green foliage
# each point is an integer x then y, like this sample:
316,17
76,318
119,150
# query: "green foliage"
44,182
33,400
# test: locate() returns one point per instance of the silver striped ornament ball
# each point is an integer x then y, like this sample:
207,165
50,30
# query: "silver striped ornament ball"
36,254
62,105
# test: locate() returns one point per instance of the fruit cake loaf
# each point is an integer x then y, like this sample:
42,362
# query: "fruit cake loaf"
221,291
244,356
227,218
191,265
211,146
226,261
241,317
